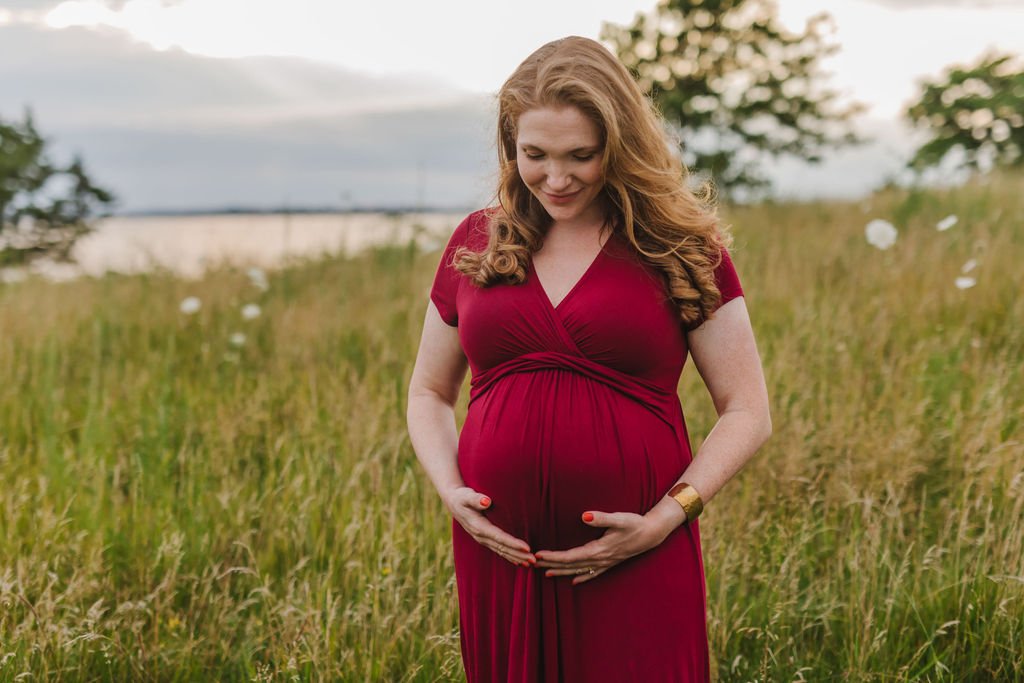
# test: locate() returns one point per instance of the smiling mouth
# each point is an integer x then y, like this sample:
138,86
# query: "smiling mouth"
562,196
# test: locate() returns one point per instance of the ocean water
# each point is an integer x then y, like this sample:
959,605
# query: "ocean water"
188,245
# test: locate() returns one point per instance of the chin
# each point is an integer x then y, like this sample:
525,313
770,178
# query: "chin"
561,213
561,209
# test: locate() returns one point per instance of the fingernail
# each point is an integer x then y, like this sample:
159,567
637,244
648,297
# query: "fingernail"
588,516
548,574
485,501
526,564
537,555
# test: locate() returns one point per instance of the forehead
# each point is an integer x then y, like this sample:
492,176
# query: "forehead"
554,129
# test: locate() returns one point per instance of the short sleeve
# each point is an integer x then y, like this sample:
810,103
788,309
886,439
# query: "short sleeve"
446,280
727,280
728,283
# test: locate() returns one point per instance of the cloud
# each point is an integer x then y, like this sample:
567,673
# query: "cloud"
173,130
437,156
28,4
927,4
112,79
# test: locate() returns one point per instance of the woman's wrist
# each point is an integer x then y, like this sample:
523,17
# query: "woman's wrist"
667,515
447,491
688,498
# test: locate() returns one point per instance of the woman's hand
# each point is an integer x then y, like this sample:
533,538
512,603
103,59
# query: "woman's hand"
467,506
628,534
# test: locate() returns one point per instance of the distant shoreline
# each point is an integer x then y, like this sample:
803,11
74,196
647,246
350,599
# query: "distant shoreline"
236,211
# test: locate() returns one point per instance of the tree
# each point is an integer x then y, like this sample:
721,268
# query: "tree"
735,86
44,208
975,111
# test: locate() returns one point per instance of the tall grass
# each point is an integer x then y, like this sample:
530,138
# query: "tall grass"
175,508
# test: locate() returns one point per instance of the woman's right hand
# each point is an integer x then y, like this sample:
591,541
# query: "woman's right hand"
467,507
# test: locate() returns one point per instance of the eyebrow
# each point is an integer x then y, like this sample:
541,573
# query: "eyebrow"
527,145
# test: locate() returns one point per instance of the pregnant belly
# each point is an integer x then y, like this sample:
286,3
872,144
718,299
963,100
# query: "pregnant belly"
550,444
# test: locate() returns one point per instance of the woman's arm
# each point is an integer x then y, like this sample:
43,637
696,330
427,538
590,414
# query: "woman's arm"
433,390
725,354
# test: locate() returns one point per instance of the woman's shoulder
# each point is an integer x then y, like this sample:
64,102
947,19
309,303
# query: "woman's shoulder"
474,230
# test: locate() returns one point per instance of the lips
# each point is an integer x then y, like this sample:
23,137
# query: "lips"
557,197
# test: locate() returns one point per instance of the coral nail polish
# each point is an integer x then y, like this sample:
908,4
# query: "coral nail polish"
588,516
485,501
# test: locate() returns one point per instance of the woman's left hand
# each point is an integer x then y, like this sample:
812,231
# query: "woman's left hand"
628,534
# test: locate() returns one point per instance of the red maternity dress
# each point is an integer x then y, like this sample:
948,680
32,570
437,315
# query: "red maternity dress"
573,408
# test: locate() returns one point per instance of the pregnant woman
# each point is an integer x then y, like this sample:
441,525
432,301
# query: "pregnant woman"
574,300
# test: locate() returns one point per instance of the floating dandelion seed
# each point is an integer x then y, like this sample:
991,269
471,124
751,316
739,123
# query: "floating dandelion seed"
258,278
965,282
880,233
237,339
250,311
946,223
190,305
969,266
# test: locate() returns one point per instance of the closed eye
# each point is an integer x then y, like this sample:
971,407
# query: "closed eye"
588,157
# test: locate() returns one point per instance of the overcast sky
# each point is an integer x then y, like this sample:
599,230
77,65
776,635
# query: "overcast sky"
203,103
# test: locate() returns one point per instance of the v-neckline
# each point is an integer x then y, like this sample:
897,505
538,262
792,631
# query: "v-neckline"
572,290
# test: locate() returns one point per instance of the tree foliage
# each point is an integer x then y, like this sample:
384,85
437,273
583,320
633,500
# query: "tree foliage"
735,85
44,207
976,112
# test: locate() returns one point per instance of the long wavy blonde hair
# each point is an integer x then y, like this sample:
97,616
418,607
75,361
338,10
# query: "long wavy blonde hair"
671,227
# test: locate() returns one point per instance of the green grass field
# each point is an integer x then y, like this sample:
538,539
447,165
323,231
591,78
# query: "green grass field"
176,508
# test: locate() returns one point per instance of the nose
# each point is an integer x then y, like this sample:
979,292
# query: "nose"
558,178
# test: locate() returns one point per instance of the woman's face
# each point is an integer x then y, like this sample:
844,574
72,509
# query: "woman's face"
558,152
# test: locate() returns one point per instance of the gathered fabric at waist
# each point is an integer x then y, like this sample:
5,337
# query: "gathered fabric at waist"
660,401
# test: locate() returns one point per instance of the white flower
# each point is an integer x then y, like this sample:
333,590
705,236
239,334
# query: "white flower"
237,339
190,305
250,311
965,282
969,266
880,233
946,223
13,274
258,278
